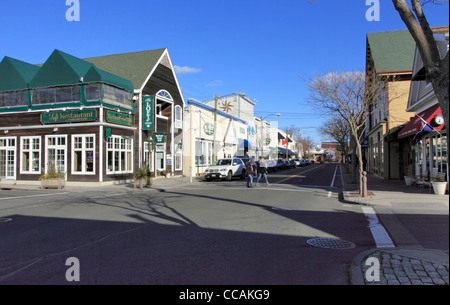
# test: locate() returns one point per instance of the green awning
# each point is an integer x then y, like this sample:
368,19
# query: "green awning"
16,74
98,75
60,69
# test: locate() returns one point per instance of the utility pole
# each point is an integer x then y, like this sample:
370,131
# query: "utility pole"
215,129
262,138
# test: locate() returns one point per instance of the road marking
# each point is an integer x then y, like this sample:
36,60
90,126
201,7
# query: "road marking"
332,182
379,233
31,196
296,175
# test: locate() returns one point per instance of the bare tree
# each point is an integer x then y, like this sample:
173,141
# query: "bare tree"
346,94
436,68
337,129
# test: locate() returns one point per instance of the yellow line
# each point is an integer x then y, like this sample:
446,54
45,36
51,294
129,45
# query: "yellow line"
293,176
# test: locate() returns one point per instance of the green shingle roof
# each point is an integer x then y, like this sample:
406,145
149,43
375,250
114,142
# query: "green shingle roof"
134,66
15,74
392,51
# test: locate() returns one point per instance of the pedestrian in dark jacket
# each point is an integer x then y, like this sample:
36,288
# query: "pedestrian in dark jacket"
262,170
249,173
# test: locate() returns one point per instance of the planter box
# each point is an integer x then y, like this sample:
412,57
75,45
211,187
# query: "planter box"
439,187
141,182
58,183
409,180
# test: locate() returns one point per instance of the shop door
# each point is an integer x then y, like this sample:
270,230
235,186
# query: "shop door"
8,158
56,154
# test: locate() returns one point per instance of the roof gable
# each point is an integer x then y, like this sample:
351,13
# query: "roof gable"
60,69
135,66
392,51
15,74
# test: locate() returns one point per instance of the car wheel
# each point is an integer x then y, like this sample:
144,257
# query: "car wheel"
229,176
243,174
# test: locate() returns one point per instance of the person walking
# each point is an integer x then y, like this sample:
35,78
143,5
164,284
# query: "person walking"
249,173
262,170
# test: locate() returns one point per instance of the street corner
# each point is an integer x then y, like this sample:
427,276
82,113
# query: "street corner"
400,267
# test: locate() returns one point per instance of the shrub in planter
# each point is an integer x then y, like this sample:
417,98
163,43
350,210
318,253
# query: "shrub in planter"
53,178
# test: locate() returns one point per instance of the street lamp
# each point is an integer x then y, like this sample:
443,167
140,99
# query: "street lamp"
262,131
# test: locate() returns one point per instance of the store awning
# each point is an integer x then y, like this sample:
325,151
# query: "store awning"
282,151
415,123
245,143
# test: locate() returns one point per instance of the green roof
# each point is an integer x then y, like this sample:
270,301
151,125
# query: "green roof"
60,69
98,75
15,74
392,51
135,66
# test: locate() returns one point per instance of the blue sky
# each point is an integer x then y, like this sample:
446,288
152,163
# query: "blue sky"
265,48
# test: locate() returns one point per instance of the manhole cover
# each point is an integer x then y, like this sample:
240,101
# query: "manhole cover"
330,243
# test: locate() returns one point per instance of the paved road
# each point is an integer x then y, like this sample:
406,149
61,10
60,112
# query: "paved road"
216,232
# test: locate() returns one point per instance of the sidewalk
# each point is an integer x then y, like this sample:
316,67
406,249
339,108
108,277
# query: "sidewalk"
409,262
159,184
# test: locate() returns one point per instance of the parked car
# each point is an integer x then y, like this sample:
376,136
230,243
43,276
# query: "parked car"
255,167
297,162
308,162
303,162
271,165
290,164
281,164
226,169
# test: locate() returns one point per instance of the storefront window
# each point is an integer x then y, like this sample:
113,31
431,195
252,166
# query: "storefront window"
83,148
119,155
92,92
56,153
31,153
14,99
203,152
54,95
116,96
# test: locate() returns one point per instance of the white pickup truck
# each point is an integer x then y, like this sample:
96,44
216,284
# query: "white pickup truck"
226,169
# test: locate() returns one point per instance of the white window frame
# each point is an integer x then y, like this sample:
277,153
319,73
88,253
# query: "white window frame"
128,149
178,165
151,162
30,150
56,146
83,150
13,149
178,117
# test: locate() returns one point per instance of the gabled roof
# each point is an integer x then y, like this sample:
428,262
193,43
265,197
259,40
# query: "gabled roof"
15,74
95,75
392,51
135,66
60,69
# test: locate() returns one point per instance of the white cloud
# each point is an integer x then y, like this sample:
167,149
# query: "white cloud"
185,70
215,83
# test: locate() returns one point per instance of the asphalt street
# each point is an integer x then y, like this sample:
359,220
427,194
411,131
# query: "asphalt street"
206,233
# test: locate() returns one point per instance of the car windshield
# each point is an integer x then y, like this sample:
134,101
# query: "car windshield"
223,162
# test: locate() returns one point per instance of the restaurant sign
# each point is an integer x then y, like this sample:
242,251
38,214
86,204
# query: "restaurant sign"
119,118
160,137
69,116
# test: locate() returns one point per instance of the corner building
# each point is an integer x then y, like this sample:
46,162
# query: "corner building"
85,117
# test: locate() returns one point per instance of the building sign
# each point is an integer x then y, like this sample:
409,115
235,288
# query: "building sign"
208,128
148,112
119,118
69,116
159,137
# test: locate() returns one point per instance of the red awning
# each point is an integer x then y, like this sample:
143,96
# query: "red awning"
415,123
